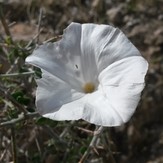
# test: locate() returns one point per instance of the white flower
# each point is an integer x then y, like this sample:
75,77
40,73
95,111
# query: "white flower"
93,73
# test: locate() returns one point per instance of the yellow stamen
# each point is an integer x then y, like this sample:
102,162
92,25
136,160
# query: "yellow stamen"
89,87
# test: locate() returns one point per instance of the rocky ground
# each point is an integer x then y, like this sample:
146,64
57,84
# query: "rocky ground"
38,140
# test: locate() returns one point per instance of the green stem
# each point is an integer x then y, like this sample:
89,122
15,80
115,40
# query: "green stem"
14,148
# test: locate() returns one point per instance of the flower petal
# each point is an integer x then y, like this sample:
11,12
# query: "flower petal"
74,37
68,111
98,110
52,93
87,52
118,94
88,62
124,99
62,58
131,70
106,43
112,106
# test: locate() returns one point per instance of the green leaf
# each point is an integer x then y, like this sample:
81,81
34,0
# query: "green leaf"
83,149
17,94
46,121
8,40
12,113
23,100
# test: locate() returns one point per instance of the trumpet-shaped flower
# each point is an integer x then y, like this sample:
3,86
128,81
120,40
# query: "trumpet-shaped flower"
93,73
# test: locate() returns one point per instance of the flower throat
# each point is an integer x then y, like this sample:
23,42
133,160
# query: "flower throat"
89,87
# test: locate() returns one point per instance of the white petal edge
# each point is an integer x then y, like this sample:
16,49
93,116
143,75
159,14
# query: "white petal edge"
58,59
109,106
106,43
112,106
131,70
68,111
52,93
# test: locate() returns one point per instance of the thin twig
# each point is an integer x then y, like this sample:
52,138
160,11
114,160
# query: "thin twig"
31,138
6,154
14,146
13,65
4,45
4,22
86,130
52,133
3,155
65,131
107,141
55,38
7,45
27,47
11,24
21,117
9,97
38,146
111,156
92,144
39,24
16,74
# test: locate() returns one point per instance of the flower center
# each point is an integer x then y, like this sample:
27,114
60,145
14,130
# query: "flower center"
89,87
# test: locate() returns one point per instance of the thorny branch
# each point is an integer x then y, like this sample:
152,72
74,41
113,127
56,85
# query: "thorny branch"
92,143
8,96
21,117
17,74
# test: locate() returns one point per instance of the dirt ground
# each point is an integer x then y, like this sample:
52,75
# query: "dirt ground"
39,140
